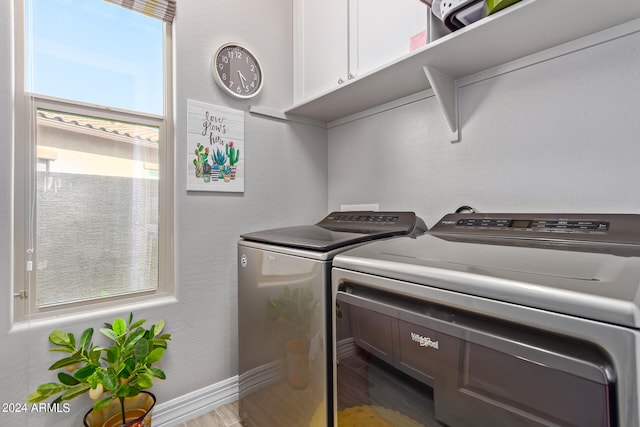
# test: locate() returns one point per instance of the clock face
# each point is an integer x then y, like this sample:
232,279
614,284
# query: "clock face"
237,71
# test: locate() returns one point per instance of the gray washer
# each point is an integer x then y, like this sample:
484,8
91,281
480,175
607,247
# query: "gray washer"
284,318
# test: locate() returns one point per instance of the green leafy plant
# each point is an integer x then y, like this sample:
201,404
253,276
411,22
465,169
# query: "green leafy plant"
121,370
295,308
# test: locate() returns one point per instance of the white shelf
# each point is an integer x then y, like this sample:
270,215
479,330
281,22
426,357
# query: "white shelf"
525,28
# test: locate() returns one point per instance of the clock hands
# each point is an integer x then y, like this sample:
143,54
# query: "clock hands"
242,79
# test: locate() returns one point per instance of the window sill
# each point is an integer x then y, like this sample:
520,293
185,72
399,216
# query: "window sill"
90,314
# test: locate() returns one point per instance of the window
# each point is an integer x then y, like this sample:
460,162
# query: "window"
94,156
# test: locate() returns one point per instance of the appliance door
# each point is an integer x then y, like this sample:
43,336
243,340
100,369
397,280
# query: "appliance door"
460,368
282,336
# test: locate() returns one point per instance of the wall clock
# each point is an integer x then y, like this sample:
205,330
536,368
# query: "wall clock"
237,71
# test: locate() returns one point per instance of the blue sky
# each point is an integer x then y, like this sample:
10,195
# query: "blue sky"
96,52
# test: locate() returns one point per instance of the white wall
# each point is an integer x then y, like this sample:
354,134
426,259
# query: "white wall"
286,183
561,135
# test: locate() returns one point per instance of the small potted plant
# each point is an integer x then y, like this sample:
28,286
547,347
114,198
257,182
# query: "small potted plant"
295,310
202,153
226,173
115,376
234,155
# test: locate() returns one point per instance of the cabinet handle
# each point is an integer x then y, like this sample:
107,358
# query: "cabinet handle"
350,76
340,80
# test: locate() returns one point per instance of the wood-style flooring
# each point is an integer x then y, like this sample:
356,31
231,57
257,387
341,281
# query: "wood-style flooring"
362,381
224,416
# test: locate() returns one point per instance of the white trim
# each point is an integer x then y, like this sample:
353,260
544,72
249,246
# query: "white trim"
400,102
25,310
279,115
345,348
196,403
586,42
260,377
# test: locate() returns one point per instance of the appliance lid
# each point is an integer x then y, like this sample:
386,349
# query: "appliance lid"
581,265
339,229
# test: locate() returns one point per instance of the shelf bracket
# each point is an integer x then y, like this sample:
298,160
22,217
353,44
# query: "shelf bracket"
446,91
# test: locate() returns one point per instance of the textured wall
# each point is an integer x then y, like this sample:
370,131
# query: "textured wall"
286,183
560,135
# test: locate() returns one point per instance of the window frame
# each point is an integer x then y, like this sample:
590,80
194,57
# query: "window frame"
25,106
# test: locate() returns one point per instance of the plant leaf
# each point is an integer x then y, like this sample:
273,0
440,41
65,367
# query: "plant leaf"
71,360
119,326
113,353
36,397
72,340
141,350
145,380
59,337
49,389
158,373
155,355
137,323
85,339
110,382
127,368
67,379
103,403
75,391
158,343
109,333
124,390
158,327
62,350
133,338
85,372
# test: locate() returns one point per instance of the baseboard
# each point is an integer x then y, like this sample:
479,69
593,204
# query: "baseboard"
345,347
196,403
260,377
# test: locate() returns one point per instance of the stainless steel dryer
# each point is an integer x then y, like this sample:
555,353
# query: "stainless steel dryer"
501,319
284,321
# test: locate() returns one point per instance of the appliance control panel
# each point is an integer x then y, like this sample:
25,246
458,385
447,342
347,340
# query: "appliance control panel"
550,225
605,228
368,221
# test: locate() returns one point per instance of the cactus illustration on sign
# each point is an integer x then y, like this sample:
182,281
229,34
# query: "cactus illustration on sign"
219,158
234,155
202,154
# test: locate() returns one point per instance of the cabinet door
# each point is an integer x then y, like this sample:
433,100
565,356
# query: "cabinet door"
385,29
321,46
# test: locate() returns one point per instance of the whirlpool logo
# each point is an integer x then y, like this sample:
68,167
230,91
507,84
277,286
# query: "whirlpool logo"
424,341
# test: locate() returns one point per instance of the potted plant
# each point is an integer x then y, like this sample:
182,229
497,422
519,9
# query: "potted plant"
234,155
226,173
201,153
115,376
296,311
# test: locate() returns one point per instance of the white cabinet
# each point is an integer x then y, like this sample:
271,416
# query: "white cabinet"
321,50
524,29
385,29
337,40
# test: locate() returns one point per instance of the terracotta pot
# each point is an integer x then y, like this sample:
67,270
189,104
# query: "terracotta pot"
298,363
137,412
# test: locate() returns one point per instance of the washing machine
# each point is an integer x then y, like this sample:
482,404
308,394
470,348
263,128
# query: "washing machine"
493,319
284,314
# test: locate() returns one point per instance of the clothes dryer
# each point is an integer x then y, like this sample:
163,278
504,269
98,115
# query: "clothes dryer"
494,319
